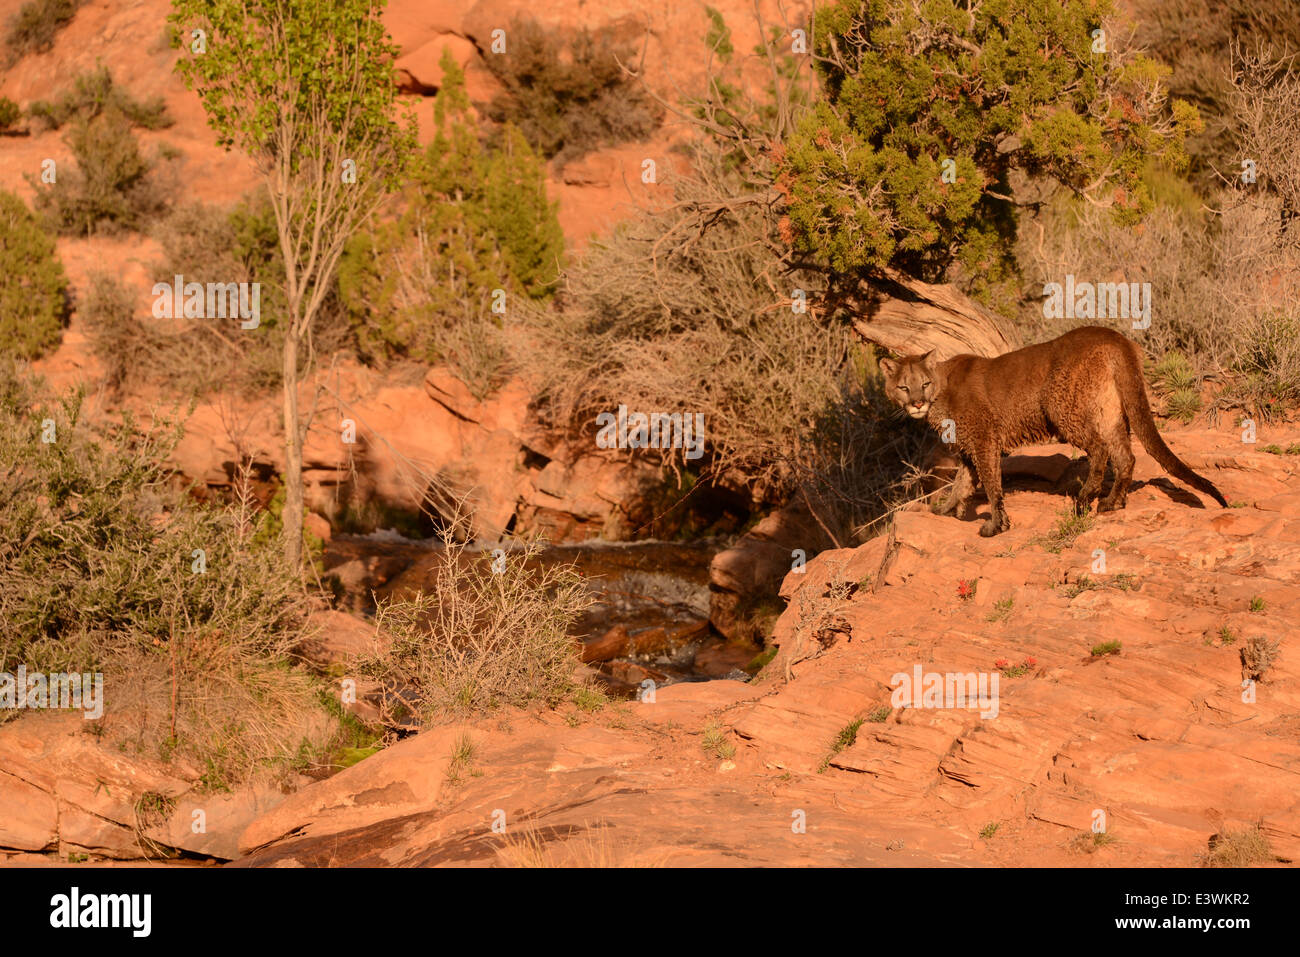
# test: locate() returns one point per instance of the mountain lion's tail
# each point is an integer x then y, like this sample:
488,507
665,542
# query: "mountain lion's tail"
1137,410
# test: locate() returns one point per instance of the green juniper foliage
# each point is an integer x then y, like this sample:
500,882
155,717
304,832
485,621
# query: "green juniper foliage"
33,287
475,219
996,87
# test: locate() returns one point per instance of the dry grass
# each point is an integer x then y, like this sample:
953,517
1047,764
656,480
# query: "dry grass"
1239,848
597,846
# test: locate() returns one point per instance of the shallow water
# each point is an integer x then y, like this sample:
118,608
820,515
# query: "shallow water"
649,618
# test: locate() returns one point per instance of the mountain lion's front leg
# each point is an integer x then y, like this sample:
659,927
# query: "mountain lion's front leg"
989,464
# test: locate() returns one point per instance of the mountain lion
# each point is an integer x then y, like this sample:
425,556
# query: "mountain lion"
1084,388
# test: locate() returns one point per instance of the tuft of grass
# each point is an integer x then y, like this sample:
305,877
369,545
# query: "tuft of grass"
463,751
988,830
1106,648
1069,526
593,847
1257,604
880,715
715,742
1239,848
1183,405
1226,636
589,699
847,737
1089,842
1002,609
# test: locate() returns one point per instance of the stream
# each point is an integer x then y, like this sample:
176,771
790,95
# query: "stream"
650,611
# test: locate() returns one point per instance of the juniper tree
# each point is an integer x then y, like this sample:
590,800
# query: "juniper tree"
906,162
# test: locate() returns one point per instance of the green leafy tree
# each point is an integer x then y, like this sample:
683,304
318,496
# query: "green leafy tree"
475,219
980,92
306,88
33,287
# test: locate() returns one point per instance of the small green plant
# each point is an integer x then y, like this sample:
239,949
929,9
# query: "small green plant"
1226,636
762,659
1069,526
1106,648
847,737
1174,373
1183,405
1002,609
715,742
463,750
10,114
988,830
881,714
75,858
589,699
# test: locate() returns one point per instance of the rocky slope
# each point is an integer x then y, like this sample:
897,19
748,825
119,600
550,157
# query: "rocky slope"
818,762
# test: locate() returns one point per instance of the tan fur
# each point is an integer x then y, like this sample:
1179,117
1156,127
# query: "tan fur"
1084,388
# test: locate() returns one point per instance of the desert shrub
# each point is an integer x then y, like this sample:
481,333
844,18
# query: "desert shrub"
10,114
567,91
1195,38
93,93
490,632
1265,108
196,356
33,287
1267,356
475,220
33,28
99,557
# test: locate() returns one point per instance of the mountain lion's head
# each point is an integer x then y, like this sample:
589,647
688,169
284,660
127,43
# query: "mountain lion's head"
912,383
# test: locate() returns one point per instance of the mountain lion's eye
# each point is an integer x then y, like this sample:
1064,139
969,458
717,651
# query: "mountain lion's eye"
925,385
905,388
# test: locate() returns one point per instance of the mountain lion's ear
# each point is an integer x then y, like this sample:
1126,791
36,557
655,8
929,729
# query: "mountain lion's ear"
889,367
925,359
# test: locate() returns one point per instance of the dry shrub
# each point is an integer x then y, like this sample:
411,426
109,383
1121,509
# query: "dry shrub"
1257,657
98,553
493,630
567,92
1224,272
1239,848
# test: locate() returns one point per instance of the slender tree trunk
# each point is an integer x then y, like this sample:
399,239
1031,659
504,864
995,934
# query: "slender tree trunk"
291,517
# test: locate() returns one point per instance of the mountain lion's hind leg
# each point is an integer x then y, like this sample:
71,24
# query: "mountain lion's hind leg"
1097,461
1121,456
